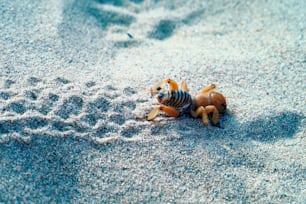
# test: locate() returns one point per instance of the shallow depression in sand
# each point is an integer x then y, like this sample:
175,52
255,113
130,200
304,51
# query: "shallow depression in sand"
95,111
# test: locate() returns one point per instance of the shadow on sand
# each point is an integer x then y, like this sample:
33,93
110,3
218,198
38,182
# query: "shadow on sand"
265,129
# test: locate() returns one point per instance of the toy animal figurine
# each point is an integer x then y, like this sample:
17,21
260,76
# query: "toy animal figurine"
177,101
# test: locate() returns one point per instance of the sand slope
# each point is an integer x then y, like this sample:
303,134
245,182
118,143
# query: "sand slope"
74,93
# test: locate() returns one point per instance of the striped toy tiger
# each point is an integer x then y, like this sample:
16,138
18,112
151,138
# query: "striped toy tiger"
177,101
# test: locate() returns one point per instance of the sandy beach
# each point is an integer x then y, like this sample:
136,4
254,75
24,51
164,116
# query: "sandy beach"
75,79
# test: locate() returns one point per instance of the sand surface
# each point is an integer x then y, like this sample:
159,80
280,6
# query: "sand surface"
74,88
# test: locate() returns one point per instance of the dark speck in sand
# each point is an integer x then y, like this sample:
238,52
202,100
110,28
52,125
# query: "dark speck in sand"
130,35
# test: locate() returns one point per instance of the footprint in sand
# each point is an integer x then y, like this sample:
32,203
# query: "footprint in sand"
99,105
72,105
95,110
117,118
35,122
165,28
130,131
37,109
122,22
19,124
91,118
104,129
47,103
18,106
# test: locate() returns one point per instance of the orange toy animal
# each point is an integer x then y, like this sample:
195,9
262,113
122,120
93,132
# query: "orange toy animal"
177,101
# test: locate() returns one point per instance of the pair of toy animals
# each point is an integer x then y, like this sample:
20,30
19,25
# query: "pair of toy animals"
176,101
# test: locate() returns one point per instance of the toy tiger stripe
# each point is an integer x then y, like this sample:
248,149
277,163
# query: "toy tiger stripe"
177,101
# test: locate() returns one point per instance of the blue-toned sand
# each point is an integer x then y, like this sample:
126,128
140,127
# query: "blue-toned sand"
75,80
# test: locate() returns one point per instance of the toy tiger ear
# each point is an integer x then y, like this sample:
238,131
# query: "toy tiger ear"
184,86
172,84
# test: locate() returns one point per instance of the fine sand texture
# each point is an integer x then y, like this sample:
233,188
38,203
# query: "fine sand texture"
75,79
